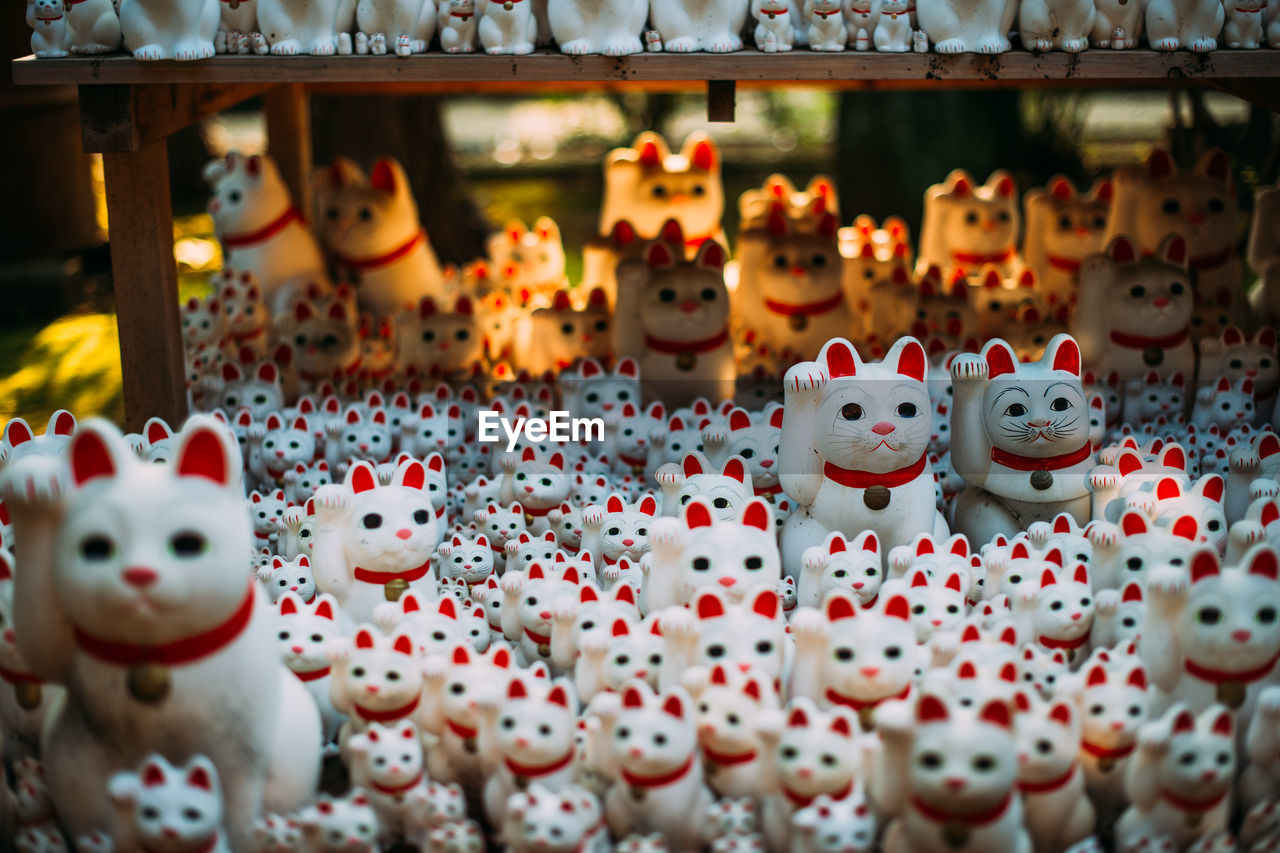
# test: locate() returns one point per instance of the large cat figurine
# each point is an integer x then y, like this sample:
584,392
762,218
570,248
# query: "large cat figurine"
682,337
318,27
404,27
612,28
261,230
370,227
161,29
1019,439
714,26
967,225
976,26
369,536
1134,312
1064,226
132,591
646,185
1153,202
854,442
164,807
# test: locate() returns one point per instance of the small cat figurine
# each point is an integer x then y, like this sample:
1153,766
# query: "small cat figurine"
682,338
283,576
154,30
728,702
1235,355
967,225
440,342
345,825
375,679
832,825
93,27
388,762
617,530
775,31
854,447
841,564
555,336
826,26
163,807
458,26
627,651
540,485
1225,405
325,335
319,28
726,490
1134,312
1200,206
306,630
1194,26
1058,814
711,631
1061,26
1114,703
510,27
612,29
1064,226
646,184
261,230
1020,439
713,25
1179,779
893,32
568,821
370,226
531,258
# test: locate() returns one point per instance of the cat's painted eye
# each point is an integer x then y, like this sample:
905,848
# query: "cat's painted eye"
392,675
97,548
700,564
918,609
658,191
1044,747
622,733
720,503
1099,222
698,190
371,521
984,763
971,217
461,334
844,653
1064,223
421,516
1003,216
365,214
930,761
332,213
283,636
1060,404
1187,759
789,753
1171,206
1266,615
150,813
1209,616
781,262
566,328
1015,410
601,325
716,651
818,261
1176,288
851,412
996,305
764,647
1097,710
1215,205
907,410
544,730
708,294
1135,710
666,294
1137,291
188,544
358,672
508,722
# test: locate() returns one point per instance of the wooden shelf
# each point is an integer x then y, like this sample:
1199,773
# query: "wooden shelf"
459,71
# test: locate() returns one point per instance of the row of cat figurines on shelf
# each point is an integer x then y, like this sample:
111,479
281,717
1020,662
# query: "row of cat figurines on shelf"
198,29
1100,264
1082,646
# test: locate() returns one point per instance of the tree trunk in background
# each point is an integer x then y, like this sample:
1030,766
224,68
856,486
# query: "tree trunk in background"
410,129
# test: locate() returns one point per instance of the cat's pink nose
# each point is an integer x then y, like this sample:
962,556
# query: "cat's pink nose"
9,636
1196,217
297,650
954,783
937,622
522,742
797,271
1117,726
606,406
766,463
858,585
1241,636
727,582
804,772
870,671
883,428
529,489
636,752
140,577
1160,301
689,306
1082,232
1209,775
1076,617
279,454
364,447
546,614
403,533
371,689
627,543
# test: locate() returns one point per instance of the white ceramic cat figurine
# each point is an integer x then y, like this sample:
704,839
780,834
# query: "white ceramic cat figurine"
712,25
775,31
568,821
1179,779
1244,25
388,762
238,31
854,443
346,825
652,743
25,699
841,564
163,30
295,27
1061,26
281,576
682,337
458,26
370,226
893,32
1134,312
728,734
167,525
709,631
967,225
167,807
1064,226
375,679
1117,25
261,231
646,184
1019,439
368,536
92,27
948,777
826,26
610,28
305,632
976,27
1200,205
1189,25
1114,703
403,26
508,27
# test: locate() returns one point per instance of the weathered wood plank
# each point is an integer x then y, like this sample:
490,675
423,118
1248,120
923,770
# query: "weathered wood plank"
122,117
721,97
288,111
146,284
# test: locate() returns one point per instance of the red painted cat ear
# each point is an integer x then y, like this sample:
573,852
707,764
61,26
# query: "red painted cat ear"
1063,353
1160,164
931,709
912,360
1173,250
674,706
649,154
703,155
996,713
1122,250
558,696
999,357
840,357
659,256
1215,164
1005,187
152,775
839,606
708,606
1061,188
207,451
198,777
711,255
385,176
91,455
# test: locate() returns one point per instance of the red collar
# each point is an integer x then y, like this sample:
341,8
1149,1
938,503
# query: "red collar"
1125,339
459,729
860,704
392,790
1051,643
1212,261
390,257
769,490
275,226
825,14
771,14
893,16
637,781
370,716
1064,264
1047,786
726,759
384,578
1188,805
1220,676
801,801
677,347
937,815
47,20
528,770
15,677
696,242
979,258
207,848
183,651
1106,752
633,461
865,479
807,309
540,639
1047,463
313,675
466,16
244,336
538,513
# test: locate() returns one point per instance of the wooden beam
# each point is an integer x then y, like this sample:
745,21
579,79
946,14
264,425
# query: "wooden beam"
127,117
145,279
288,110
720,100
1262,93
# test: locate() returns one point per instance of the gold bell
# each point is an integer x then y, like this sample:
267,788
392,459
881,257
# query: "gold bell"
28,694
1231,694
149,682
395,588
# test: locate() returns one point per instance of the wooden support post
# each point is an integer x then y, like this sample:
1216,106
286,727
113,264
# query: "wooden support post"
288,109
145,278
720,100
